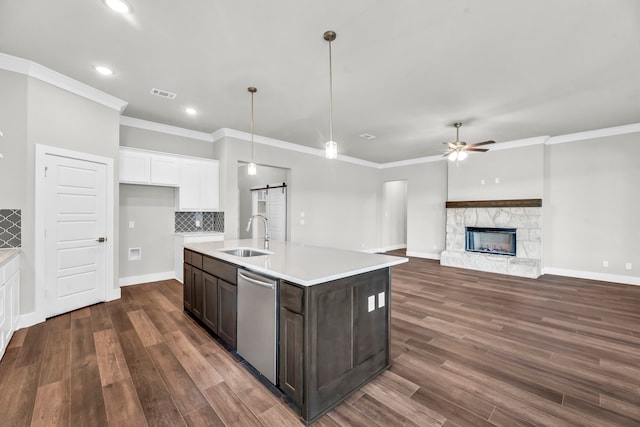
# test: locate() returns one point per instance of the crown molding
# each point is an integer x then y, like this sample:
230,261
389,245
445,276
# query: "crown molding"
596,133
166,129
272,142
54,78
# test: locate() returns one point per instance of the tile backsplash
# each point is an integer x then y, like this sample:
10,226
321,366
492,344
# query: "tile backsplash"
10,228
209,221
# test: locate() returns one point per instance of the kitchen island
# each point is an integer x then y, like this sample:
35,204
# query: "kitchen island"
332,306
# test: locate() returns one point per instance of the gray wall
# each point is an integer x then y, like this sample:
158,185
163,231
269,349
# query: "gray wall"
340,200
592,204
519,172
156,204
152,211
34,112
426,198
266,175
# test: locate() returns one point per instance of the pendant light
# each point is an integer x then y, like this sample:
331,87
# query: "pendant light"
252,169
331,147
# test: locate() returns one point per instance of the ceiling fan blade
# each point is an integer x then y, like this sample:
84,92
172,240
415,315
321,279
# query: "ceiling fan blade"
446,154
477,144
481,150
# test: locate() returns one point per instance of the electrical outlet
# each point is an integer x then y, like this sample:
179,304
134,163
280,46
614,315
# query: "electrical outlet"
197,223
371,303
628,266
605,263
381,300
132,224
482,182
302,222
497,180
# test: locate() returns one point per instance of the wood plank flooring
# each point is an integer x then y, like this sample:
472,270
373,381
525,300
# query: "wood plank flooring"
468,349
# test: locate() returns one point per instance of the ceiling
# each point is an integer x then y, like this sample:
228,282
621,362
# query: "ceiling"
403,71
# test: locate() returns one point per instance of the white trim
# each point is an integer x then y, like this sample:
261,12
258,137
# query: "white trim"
47,75
392,247
426,255
418,161
596,133
580,274
41,151
29,319
146,278
519,143
166,129
264,140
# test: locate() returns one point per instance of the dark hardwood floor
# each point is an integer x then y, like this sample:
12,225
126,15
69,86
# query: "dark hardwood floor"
468,349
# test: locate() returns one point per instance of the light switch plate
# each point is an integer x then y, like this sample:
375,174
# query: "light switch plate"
381,300
371,303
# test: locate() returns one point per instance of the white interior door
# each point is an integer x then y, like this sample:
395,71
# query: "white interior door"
75,233
277,213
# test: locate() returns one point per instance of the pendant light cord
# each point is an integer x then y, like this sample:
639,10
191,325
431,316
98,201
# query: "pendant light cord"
252,145
330,94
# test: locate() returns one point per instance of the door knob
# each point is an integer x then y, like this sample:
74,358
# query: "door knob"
101,239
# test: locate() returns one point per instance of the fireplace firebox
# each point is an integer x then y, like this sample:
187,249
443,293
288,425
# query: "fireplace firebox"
496,241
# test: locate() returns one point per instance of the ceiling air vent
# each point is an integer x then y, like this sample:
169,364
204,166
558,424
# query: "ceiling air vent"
367,136
163,93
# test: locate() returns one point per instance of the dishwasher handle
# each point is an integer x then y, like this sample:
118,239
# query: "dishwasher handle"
270,285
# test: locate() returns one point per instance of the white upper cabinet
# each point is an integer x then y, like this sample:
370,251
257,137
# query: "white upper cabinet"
197,180
148,168
199,186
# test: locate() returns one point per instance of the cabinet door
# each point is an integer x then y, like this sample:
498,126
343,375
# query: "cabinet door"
291,354
187,285
227,312
135,167
189,192
210,309
165,170
197,298
209,186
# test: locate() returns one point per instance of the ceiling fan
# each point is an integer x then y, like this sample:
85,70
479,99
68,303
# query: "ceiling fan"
457,150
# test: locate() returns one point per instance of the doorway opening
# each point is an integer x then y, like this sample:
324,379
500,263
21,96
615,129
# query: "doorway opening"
394,215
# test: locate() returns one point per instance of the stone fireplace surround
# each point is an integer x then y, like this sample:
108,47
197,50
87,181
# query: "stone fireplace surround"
524,215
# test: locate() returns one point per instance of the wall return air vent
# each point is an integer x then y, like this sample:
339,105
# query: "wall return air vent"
163,93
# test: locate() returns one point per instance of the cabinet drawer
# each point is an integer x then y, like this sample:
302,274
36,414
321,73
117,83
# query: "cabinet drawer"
193,258
220,269
291,297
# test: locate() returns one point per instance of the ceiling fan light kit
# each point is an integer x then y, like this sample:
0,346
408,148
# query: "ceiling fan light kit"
458,150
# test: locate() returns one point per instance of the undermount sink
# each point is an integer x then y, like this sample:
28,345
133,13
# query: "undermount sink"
245,252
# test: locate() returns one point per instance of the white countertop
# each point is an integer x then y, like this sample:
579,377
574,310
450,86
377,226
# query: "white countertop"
301,264
7,254
200,233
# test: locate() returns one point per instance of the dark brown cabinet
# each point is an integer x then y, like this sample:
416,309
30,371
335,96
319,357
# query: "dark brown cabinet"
210,310
210,294
227,312
331,340
291,349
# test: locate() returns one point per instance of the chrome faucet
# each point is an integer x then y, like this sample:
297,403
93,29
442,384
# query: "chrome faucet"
266,228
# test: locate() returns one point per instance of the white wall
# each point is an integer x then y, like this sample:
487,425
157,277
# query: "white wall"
340,200
393,233
426,198
518,172
152,211
35,112
591,206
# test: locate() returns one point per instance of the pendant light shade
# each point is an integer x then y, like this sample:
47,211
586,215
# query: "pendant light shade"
331,147
252,169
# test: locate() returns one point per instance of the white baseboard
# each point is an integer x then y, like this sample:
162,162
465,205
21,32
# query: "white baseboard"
113,294
427,255
29,319
616,278
145,278
393,247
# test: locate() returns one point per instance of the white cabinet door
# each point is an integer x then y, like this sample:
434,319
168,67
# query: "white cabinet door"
199,186
209,186
135,167
189,193
165,170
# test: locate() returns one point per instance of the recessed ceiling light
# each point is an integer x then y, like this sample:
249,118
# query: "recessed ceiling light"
103,70
119,6
190,111
367,136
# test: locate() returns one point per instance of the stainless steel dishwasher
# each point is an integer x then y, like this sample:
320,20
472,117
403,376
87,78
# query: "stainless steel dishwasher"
257,322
